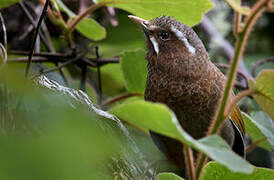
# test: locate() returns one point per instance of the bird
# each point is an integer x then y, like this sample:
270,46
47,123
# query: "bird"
182,76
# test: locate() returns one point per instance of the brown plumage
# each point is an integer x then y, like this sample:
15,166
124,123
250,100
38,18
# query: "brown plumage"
181,75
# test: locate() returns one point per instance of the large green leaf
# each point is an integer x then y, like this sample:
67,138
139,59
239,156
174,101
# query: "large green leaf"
216,171
259,126
264,86
87,26
168,176
91,29
160,119
112,79
126,36
134,67
186,11
6,3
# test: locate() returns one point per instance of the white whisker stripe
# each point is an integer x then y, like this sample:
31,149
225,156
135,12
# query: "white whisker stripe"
181,37
155,44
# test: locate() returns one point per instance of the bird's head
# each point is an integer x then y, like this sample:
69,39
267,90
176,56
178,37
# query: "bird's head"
170,40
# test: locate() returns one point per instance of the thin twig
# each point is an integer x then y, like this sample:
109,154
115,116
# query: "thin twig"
48,42
30,18
119,98
4,31
46,54
3,56
60,59
188,156
35,36
60,65
99,74
83,78
254,144
106,60
236,99
259,63
35,59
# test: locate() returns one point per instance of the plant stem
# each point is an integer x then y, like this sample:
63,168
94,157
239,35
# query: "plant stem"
188,155
242,37
239,48
202,159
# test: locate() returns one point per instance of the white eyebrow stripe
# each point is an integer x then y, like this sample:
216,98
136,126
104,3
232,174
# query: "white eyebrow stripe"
155,44
181,37
152,27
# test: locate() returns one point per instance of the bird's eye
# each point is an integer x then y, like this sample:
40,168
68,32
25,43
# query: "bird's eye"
164,35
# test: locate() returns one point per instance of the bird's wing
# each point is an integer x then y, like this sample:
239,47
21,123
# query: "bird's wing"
238,119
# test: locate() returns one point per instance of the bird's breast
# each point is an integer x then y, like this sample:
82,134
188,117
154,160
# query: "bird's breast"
193,101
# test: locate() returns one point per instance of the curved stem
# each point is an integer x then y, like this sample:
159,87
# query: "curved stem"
89,10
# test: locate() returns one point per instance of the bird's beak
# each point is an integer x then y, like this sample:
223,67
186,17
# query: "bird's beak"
139,21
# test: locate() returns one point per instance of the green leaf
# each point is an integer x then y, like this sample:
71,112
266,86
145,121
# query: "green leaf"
236,5
6,3
188,12
91,29
134,67
264,86
87,26
132,37
168,176
259,126
112,79
160,119
216,171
